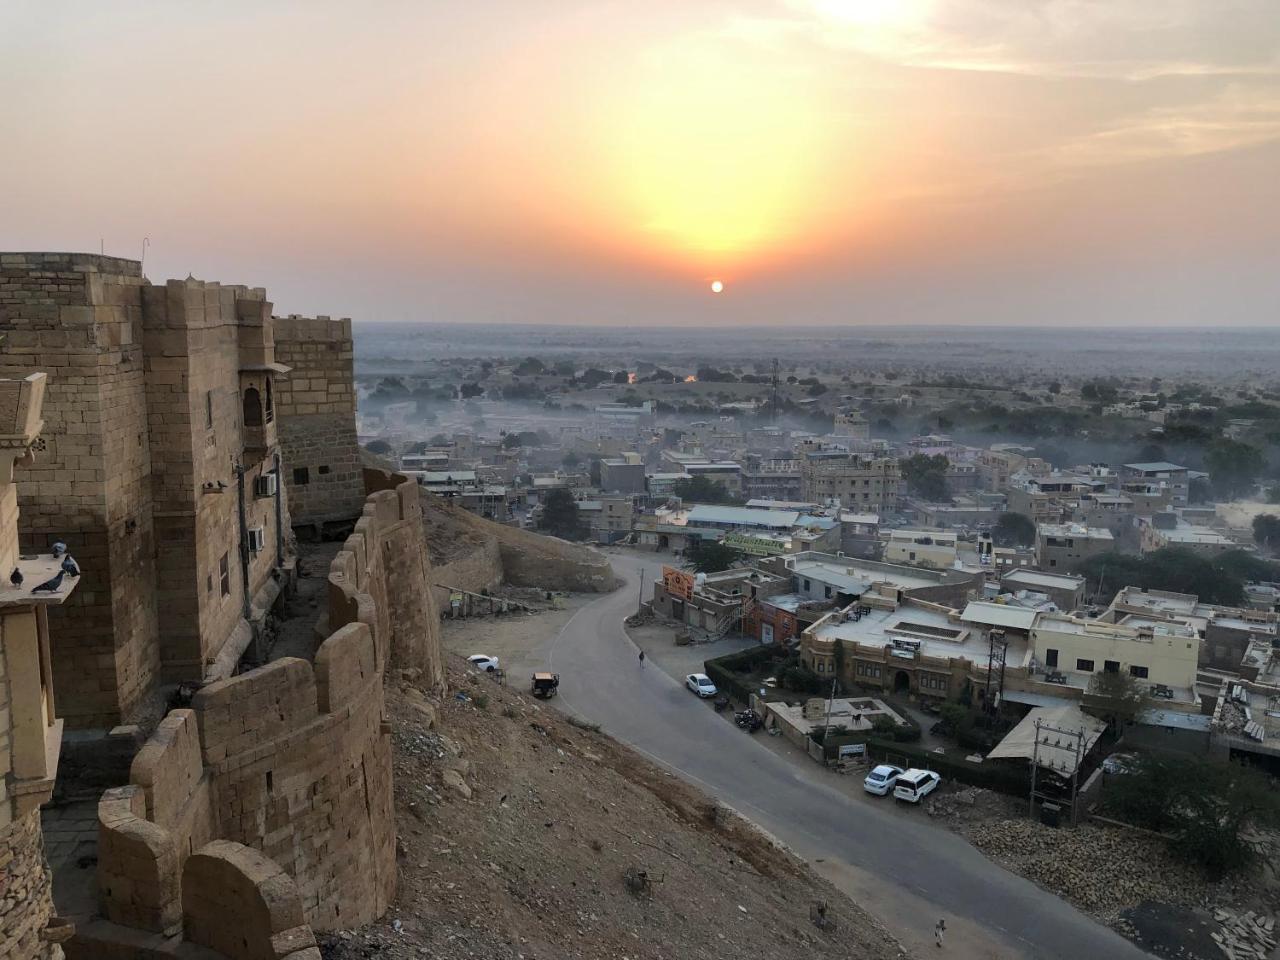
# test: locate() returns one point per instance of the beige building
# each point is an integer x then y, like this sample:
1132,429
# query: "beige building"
1162,655
162,473
922,548
1063,546
316,405
860,483
851,424
30,735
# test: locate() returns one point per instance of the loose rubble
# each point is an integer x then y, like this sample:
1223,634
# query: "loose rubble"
525,837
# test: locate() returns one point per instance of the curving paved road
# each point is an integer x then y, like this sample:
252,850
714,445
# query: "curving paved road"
892,860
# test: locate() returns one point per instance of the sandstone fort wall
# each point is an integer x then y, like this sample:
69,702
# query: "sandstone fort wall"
291,761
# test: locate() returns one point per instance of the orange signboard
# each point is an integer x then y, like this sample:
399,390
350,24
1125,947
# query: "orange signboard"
678,583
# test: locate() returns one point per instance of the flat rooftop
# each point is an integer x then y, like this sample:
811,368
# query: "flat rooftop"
853,577
929,629
1077,530
1035,578
1158,601
743,516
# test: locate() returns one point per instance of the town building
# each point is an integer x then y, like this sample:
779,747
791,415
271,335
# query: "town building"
622,474
1162,475
773,478
1167,529
1065,590
859,483
1064,546
922,548
30,733
162,474
851,424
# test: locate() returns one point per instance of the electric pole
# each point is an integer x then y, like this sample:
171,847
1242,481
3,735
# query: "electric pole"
773,381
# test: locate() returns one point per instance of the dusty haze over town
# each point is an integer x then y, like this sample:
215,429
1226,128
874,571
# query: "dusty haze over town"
666,480
832,162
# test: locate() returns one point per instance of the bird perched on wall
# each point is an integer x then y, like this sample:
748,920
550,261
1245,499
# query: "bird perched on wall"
50,586
69,566
59,548
16,577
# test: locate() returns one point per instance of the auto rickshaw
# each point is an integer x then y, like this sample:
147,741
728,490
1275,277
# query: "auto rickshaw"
546,684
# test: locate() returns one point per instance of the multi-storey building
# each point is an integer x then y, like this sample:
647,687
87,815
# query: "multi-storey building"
1063,546
162,473
30,734
858,482
1162,475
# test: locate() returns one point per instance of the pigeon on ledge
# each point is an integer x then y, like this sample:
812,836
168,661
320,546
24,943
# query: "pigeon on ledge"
50,586
16,577
69,566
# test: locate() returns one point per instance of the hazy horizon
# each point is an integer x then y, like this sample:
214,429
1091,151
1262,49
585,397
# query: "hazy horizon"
836,163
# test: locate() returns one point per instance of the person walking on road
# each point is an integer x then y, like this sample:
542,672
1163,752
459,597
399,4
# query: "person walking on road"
939,929
641,659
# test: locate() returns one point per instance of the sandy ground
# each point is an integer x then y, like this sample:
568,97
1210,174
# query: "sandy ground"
518,828
518,640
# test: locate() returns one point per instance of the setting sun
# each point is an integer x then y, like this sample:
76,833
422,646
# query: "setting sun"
716,286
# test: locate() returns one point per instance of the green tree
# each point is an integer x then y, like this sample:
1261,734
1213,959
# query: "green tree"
702,489
1116,697
1014,530
529,367
439,440
1206,805
1233,466
710,556
1266,530
571,459
560,516
510,441
380,447
622,376
469,390
926,475
1172,568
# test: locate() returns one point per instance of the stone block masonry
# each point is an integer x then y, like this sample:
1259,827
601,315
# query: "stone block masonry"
25,904
273,793
317,405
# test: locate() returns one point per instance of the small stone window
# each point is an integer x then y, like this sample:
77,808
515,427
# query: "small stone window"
324,470
224,574
208,409
301,476
252,407
271,407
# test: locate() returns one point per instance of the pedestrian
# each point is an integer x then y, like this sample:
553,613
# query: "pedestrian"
938,930
641,659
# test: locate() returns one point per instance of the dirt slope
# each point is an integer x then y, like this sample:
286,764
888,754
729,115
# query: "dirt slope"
531,863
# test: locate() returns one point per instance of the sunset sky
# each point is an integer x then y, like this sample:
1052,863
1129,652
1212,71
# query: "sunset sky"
587,161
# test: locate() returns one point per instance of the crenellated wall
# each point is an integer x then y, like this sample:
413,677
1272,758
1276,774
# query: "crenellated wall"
291,760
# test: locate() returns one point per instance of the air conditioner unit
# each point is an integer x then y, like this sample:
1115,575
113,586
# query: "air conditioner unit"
265,485
257,539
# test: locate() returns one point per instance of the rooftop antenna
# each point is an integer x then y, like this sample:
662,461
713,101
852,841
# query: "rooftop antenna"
146,242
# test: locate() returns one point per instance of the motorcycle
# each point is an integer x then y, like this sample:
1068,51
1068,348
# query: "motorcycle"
748,720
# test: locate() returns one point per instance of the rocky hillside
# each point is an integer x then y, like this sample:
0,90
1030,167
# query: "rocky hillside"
519,830
527,559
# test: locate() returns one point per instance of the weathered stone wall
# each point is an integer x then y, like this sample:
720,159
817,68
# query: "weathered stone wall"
317,407
226,880
78,317
292,760
478,570
26,902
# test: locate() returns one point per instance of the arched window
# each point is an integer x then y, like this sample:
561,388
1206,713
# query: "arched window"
271,409
252,408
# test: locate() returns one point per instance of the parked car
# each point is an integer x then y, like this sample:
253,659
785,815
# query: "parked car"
700,684
914,785
483,662
880,780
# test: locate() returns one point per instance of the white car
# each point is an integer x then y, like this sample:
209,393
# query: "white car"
700,684
880,780
482,662
914,785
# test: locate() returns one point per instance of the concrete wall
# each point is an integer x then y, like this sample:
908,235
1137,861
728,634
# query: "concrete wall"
317,427
292,760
